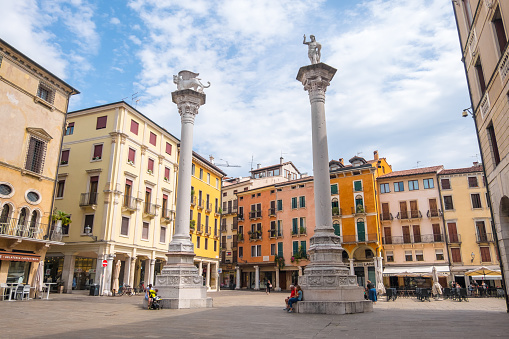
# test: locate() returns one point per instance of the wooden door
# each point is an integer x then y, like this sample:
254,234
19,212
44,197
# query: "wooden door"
387,235
414,212
403,210
433,210
437,237
453,232
385,211
406,234
481,231
417,233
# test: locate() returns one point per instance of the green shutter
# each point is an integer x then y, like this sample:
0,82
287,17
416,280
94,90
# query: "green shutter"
337,230
295,247
279,249
303,247
295,226
334,189
279,227
302,202
280,205
294,202
357,186
361,231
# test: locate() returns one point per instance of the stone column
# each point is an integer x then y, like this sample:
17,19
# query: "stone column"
277,288
216,276
300,270
108,274
200,268
237,282
327,286
152,271
257,278
179,283
68,272
146,276
127,271
207,284
132,271
352,270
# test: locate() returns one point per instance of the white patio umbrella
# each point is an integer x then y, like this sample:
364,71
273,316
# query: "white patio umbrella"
39,277
437,288
380,288
483,270
115,276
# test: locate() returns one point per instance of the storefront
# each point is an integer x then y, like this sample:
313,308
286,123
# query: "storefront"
84,271
16,267
414,277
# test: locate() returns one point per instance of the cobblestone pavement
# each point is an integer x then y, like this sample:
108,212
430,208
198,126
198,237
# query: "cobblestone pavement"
247,314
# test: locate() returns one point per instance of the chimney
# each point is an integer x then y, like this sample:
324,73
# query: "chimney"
211,158
341,161
258,166
281,160
375,155
476,163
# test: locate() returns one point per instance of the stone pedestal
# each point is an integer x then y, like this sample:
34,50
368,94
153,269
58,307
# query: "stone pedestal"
327,285
180,285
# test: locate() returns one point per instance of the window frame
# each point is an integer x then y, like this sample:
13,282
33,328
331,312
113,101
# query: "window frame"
101,122
400,186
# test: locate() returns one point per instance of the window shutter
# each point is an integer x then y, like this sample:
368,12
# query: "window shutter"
148,190
98,151
65,156
132,154
101,122
134,127
153,138
279,249
337,230
168,148
295,247
124,230
334,189
295,225
94,179
151,165
128,182
303,246
358,185
167,173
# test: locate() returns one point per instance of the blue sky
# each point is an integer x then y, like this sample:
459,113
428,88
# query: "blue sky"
400,86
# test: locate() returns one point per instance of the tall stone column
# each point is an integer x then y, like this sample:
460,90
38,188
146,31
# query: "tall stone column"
327,285
352,270
277,288
132,271
200,268
207,284
152,271
68,272
237,282
108,274
127,271
257,278
179,283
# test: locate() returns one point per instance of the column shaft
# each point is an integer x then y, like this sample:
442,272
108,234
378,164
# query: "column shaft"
208,276
237,283
257,277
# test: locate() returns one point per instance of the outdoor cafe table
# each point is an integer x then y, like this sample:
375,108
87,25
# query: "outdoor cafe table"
49,287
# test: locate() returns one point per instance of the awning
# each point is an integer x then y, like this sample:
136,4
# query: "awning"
414,271
488,277
19,257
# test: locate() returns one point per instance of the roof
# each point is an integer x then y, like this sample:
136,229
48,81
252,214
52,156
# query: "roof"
477,168
276,165
415,171
296,181
208,163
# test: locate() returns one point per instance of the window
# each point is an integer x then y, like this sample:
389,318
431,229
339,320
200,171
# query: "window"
198,242
295,247
152,139
215,243
357,186
485,254
124,228
476,200
217,183
279,249
472,182
468,13
419,255
70,128
98,152
337,229
334,189
166,174
168,148
399,187
493,143
208,178
164,206
206,245
272,249
498,26
134,127
131,156
456,255
144,231
390,256
446,184
303,248
64,157
480,76
36,155
302,201
295,226
448,202
488,200
193,169
162,235
201,174
46,93
280,205
150,165
408,256
384,188
294,203
241,252
60,188
439,254
256,251
428,183
413,185
89,222
101,122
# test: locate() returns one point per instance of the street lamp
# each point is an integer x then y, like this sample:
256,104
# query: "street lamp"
466,112
88,232
473,256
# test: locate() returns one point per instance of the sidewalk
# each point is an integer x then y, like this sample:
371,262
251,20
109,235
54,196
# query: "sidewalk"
247,314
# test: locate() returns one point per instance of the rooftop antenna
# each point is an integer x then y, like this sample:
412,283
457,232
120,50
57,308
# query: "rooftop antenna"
252,161
134,96
476,157
359,153
226,164
418,162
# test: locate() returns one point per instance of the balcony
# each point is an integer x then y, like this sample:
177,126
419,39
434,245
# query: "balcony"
484,238
207,230
230,210
12,229
150,209
200,204
223,228
454,238
274,234
88,200
413,214
255,214
193,200
359,210
352,239
337,212
129,203
240,237
240,217
208,207
413,239
434,213
256,235
299,232
386,217
199,228
167,215
272,212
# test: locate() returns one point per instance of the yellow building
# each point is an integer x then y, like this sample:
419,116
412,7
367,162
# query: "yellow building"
205,218
33,104
355,211
117,180
467,218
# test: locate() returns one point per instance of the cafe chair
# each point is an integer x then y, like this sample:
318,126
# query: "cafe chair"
6,289
26,292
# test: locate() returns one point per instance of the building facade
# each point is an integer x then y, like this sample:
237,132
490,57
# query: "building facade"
483,32
33,106
467,223
413,229
117,181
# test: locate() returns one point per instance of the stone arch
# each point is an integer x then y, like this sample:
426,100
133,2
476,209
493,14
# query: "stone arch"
360,253
504,215
345,256
6,213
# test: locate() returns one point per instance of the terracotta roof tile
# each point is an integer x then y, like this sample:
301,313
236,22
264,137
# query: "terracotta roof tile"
472,169
415,171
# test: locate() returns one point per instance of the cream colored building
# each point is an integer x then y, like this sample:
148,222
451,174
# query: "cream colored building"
467,222
33,105
483,27
117,181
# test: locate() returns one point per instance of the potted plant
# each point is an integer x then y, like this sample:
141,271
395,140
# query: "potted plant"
192,193
60,218
192,224
64,162
96,158
149,171
219,210
240,237
335,211
130,162
279,261
165,179
360,208
302,230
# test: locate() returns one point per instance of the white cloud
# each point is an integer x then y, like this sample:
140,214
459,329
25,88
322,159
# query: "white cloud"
115,21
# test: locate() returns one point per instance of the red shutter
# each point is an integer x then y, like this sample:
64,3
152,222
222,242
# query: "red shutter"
94,179
168,148
151,165
153,138
134,127
131,155
65,156
98,151
71,124
101,122
165,197
148,190
128,182
167,173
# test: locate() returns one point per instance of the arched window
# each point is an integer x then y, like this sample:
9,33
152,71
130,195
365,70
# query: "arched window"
359,204
361,230
6,212
22,221
33,220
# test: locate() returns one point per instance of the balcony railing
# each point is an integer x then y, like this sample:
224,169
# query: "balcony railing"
484,237
413,239
193,200
272,212
200,203
256,235
208,207
359,238
386,216
240,237
454,238
359,210
10,227
255,214
412,214
199,228
130,203
207,230
434,213
167,214
275,234
88,199
240,217
337,212
149,209
230,210
223,228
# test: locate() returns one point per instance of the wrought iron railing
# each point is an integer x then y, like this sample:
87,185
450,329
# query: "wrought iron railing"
129,202
484,237
13,228
149,209
434,213
88,199
413,239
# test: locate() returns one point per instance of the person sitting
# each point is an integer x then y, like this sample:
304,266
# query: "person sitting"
296,298
371,291
292,294
151,295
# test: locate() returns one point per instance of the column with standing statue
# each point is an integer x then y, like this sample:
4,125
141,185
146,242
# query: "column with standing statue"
328,286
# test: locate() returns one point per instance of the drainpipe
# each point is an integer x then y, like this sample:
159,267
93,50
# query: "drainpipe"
446,233
493,228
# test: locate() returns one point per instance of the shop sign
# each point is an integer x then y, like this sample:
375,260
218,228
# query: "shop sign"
266,258
363,264
78,270
228,253
220,270
92,270
228,237
19,257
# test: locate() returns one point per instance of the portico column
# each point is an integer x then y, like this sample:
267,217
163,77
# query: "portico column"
300,271
277,288
207,284
216,276
107,274
68,272
257,278
200,268
127,271
237,278
132,271
352,271
146,276
152,271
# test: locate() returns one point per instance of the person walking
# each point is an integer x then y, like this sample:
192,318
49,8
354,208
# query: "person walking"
268,286
371,292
